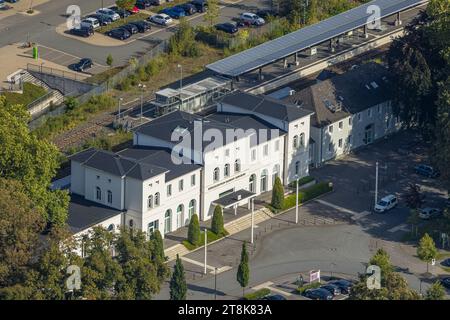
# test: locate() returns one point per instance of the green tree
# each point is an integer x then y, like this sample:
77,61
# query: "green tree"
217,221
413,197
381,259
183,41
277,194
125,4
109,60
212,14
243,272
32,161
158,246
194,230
426,251
435,292
178,287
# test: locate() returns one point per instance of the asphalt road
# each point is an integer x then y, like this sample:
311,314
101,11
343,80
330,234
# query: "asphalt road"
41,29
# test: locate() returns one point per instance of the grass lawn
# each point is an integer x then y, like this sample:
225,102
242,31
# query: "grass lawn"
211,237
105,75
30,93
121,22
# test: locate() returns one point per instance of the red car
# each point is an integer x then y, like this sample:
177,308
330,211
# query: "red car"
134,10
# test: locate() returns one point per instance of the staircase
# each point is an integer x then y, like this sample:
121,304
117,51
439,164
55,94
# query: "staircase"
245,222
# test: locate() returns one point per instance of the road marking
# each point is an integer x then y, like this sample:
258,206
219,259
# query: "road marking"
402,227
268,285
198,263
361,215
336,207
221,269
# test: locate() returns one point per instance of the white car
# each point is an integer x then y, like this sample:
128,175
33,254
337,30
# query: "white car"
386,203
108,13
161,19
90,22
252,19
428,213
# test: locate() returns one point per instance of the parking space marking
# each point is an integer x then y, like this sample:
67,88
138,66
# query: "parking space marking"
361,215
221,269
269,285
336,207
198,263
402,227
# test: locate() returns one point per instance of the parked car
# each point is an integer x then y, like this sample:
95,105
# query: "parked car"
427,171
90,22
134,10
121,12
108,13
119,33
344,285
251,19
161,19
82,31
175,13
131,28
227,27
264,13
157,2
446,262
189,8
446,282
82,65
142,26
332,288
2,4
143,4
318,294
429,213
103,20
386,203
274,297
200,5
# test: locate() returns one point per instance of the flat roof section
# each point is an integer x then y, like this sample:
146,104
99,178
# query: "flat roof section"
234,198
272,51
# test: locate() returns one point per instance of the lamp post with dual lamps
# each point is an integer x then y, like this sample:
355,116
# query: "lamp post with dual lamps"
142,87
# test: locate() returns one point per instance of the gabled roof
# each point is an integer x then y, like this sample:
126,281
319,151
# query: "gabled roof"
266,106
351,92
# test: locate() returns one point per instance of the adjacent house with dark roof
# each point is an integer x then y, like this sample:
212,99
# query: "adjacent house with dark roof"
350,110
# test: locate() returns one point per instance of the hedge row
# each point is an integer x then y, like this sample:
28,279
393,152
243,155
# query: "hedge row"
302,181
258,294
314,285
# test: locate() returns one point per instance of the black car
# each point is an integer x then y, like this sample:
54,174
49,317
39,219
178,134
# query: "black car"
123,13
318,294
426,171
82,31
119,33
131,28
264,13
189,8
82,65
274,297
343,285
227,27
446,262
333,289
446,282
143,4
200,5
103,20
142,26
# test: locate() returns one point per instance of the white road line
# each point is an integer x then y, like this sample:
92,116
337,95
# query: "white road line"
402,227
336,207
269,285
221,269
197,263
361,215
263,285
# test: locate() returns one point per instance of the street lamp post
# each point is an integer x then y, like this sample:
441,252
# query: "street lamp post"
253,218
215,283
118,115
142,86
206,249
376,183
296,198
181,78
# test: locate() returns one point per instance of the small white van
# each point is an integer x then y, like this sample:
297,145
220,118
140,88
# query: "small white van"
386,203
90,22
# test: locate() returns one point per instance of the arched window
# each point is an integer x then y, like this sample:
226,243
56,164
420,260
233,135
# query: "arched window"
111,227
216,174
157,199
302,139
237,165
226,170
295,142
264,181
152,226
98,194
168,221
180,214
192,207
150,202
275,173
109,196
252,183
297,168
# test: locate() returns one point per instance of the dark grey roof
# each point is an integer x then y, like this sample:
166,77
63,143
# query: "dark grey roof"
84,213
307,37
266,106
235,197
354,91
161,157
117,165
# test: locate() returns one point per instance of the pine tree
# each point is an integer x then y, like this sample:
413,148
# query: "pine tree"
243,272
217,221
178,287
158,246
277,194
194,231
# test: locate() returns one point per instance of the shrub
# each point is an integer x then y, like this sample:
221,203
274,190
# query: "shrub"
217,221
109,60
194,231
314,285
258,294
302,181
277,194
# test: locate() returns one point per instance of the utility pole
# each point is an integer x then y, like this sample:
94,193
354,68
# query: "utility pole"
206,248
142,86
253,218
215,283
181,79
118,115
296,199
376,183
